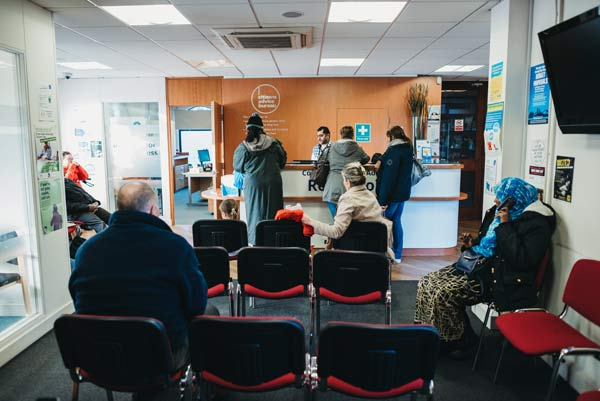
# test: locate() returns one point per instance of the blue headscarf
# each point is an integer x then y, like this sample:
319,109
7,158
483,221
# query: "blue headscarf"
524,194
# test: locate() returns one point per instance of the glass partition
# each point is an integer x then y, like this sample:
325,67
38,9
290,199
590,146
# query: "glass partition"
18,250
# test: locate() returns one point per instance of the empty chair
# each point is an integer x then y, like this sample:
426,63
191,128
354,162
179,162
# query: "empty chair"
248,354
537,332
377,361
589,396
352,277
539,281
281,233
230,234
272,273
129,354
369,236
214,264
12,251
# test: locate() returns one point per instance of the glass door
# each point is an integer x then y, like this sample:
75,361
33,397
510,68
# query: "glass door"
18,250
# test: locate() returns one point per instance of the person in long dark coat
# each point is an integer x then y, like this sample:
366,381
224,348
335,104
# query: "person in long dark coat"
260,158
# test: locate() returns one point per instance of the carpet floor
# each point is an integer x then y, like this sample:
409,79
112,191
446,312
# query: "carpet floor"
39,372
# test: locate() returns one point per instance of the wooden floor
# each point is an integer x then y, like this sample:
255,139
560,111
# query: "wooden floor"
411,268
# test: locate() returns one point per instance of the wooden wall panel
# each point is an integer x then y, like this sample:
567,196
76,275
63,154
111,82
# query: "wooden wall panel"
193,91
307,103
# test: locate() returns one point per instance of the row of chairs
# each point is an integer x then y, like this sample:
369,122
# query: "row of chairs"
132,354
233,235
348,277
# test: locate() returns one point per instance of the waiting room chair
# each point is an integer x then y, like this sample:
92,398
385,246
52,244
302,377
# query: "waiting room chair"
128,354
368,236
12,250
272,273
539,281
281,233
248,354
351,277
589,396
214,264
377,361
230,234
535,331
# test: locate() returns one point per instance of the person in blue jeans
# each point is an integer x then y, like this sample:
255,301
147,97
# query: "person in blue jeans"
393,182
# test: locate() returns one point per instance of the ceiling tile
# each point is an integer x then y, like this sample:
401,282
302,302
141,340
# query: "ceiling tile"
109,3
346,53
196,50
484,14
337,71
419,29
173,32
438,11
230,14
208,2
313,13
355,30
298,62
227,72
459,43
52,4
85,18
470,29
349,43
382,65
404,43
111,34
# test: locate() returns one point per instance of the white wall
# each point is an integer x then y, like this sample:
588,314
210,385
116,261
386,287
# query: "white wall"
28,29
81,106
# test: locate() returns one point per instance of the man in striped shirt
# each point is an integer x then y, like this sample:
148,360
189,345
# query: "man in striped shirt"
323,136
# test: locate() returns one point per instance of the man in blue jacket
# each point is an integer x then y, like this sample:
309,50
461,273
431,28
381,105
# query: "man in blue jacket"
139,267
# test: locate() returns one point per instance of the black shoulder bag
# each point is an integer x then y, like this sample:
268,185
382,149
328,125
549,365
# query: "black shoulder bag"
321,170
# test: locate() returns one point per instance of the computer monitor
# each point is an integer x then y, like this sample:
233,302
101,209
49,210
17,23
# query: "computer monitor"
203,156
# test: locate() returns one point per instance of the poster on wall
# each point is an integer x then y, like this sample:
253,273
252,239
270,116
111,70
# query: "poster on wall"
539,96
51,204
491,173
433,129
493,127
563,178
537,163
497,82
46,148
46,101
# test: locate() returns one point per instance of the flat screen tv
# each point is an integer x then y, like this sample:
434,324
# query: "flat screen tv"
571,52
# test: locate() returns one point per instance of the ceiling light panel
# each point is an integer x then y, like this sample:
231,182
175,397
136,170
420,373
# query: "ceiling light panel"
85,65
469,68
365,11
341,62
160,14
448,68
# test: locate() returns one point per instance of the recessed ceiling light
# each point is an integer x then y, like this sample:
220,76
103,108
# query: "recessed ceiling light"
341,62
469,68
210,63
448,68
365,11
159,14
85,65
293,14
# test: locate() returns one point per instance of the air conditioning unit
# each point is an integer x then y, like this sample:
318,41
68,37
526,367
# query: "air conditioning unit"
266,38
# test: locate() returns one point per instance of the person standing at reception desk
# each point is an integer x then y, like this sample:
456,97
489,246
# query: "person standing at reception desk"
260,158
341,153
323,139
394,182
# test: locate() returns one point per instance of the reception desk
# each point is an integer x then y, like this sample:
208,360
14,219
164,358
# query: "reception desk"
430,218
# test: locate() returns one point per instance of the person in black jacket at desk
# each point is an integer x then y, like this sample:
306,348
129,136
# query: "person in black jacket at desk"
513,241
83,207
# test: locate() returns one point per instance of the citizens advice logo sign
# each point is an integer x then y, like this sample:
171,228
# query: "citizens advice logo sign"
265,99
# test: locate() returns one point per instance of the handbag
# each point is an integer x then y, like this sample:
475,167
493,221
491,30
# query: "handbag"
238,179
321,170
419,171
470,261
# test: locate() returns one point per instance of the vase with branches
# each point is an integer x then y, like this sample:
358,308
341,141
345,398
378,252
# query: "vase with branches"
417,103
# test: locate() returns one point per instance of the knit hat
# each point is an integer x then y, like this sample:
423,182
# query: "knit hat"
254,121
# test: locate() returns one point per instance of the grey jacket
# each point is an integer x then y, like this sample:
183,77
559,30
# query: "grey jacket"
341,153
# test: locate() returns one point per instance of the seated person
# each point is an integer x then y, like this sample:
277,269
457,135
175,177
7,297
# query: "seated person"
229,210
357,203
73,170
83,207
139,267
513,242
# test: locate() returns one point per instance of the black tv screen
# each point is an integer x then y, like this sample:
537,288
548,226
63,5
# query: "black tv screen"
571,52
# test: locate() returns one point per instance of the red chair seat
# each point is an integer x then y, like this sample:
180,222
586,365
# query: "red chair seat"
371,297
589,396
289,293
277,383
537,333
216,290
344,387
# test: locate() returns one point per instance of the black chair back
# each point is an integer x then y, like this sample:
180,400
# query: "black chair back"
281,233
382,359
116,353
368,236
214,265
248,354
350,273
230,234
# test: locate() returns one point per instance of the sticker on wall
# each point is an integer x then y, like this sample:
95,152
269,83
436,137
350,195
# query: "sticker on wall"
493,127
265,99
497,82
46,103
563,178
459,125
539,95
51,205
491,172
363,132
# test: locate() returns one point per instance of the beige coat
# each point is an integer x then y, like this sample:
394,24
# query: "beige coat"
358,203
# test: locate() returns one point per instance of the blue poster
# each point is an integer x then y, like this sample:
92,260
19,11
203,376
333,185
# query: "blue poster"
493,127
539,95
363,132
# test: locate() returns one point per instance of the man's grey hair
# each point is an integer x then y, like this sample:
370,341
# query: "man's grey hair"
136,196
355,173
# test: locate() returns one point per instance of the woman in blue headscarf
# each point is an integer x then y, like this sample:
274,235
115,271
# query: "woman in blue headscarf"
513,240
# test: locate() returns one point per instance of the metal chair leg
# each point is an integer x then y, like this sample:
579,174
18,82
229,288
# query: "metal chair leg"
109,395
239,301
481,334
252,303
231,300
557,360
504,344
318,316
311,335
388,308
